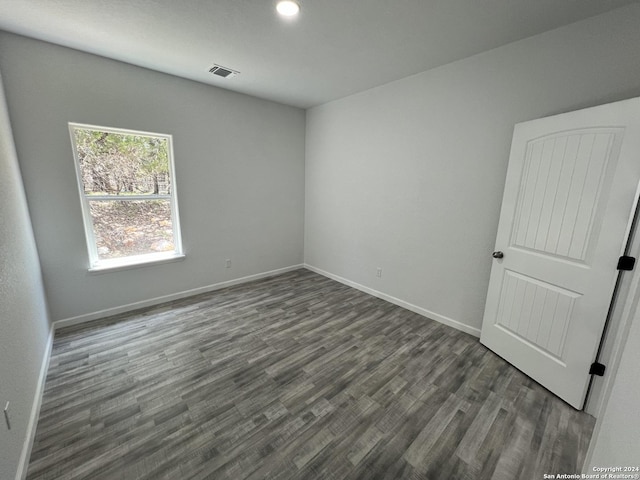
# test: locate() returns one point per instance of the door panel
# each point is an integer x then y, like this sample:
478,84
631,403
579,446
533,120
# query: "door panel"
563,181
570,189
536,312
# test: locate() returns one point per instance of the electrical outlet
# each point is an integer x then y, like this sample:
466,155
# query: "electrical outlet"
379,272
227,263
6,416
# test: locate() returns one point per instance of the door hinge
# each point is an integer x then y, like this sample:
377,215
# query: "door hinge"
597,369
626,262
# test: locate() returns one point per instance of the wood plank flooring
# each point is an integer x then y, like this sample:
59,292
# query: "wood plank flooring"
293,377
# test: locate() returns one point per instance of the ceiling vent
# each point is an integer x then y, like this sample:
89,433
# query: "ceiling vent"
223,72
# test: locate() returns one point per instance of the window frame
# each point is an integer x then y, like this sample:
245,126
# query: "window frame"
101,265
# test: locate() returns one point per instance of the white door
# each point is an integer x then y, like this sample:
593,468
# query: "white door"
569,195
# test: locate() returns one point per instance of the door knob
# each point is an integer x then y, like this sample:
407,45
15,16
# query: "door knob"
497,254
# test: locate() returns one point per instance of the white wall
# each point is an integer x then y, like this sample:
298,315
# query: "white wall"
24,322
409,176
239,169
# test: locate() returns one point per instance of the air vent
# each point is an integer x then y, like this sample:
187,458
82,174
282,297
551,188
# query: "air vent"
223,72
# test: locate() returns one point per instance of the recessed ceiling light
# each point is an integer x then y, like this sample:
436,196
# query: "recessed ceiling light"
288,8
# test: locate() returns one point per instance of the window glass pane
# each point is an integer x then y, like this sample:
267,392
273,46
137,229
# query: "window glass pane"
131,227
122,164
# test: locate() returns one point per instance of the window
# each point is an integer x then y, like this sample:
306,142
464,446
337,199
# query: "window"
127,187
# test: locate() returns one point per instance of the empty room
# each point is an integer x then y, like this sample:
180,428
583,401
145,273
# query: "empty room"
319,239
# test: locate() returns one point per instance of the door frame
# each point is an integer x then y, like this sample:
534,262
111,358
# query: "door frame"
625,312
623,304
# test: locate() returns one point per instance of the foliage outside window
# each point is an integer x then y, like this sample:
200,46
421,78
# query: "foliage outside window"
127,187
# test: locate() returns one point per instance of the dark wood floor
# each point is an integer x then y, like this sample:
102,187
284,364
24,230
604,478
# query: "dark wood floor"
293,377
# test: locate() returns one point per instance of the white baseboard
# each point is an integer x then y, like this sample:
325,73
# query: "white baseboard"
401,303
23,463
88,317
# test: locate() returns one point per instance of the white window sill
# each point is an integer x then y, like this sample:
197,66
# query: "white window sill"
138,261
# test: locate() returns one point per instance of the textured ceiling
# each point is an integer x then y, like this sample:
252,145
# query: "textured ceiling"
333,49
